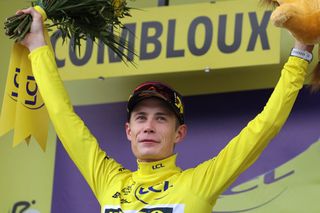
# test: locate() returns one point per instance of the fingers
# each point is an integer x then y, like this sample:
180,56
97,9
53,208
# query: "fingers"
19,12
35,14
27,11
35,37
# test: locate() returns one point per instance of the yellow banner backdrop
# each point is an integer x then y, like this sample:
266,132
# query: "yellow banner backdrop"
178,39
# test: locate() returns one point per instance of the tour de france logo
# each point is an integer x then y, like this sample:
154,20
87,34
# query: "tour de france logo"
31,97
24,207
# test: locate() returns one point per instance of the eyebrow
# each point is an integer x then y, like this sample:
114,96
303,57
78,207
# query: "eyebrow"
157,113
138,113
163,113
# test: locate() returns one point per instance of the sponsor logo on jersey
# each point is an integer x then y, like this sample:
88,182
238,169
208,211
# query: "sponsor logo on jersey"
157,166
170,208
124,194
145,194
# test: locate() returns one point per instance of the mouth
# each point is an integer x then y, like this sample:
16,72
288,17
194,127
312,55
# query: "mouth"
148,141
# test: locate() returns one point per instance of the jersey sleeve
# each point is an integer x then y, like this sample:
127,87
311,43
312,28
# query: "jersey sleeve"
212,177
96,167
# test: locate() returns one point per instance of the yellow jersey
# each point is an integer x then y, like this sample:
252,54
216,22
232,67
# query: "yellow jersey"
161,186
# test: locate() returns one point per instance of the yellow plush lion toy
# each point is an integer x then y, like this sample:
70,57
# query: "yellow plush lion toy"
302,19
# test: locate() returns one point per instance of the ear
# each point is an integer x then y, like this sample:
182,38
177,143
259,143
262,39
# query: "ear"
128,131
181,132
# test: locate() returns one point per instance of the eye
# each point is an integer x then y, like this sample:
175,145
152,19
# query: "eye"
275,4
272,4
161,118
140,118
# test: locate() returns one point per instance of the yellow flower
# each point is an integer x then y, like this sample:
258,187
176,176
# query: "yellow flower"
118,7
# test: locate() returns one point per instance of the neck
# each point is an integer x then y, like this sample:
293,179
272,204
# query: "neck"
153,160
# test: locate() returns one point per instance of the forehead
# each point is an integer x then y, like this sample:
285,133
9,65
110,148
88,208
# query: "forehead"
152,105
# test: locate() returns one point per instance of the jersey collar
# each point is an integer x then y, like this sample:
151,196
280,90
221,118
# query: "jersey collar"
152,171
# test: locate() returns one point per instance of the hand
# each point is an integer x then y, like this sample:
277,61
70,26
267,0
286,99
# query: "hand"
35,38
302,46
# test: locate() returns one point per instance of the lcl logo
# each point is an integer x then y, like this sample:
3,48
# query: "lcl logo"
157,191
30,89
157,166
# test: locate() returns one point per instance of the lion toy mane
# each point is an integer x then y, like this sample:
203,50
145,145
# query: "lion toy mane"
302,19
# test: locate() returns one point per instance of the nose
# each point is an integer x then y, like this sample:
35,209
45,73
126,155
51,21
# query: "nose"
149,127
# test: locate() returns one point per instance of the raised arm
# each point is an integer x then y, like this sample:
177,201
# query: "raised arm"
242,151
81,145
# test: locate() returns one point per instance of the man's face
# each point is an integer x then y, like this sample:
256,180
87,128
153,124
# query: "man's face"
153,130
